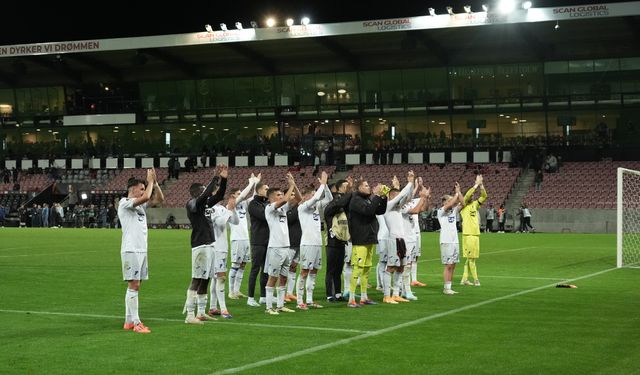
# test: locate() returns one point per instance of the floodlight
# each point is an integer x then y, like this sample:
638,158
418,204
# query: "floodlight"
526,5
506,6
223,27
208,28
239,25
467,9
271,22
254,24
432,12
305,21
450,10
289,21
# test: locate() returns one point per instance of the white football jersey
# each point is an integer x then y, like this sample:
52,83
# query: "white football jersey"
240,231
448,230
278,227
133,221
309,217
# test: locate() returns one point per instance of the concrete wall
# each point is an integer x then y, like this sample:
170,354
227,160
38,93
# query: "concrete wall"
569,220
544,220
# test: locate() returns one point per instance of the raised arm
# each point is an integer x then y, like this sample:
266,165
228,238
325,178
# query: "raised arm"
219,195
483,193
158,197
244,194
328,197
405,193
457,198
292,188
147,193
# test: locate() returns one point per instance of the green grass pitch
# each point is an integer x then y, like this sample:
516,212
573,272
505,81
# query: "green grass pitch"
62,307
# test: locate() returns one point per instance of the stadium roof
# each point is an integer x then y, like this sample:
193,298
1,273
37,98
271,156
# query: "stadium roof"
584,32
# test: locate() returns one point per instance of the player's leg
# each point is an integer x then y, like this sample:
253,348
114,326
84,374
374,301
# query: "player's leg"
314,264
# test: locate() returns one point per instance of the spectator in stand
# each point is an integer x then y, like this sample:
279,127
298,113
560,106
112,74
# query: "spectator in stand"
502,218
538,180
491,215
14,173
45,215
551,164
73,198
2,215
6,176
111,215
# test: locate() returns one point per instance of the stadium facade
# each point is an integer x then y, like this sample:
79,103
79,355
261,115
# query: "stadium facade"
561,76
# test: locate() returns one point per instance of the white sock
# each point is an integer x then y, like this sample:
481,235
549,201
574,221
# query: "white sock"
406,279
213,304
291,282
414,271
232,279
238,282
380,275
132,304
396,284
311,284
127,314
202,303
300,287
447,285
191,302
269,291
348,270
281,293
386,283
220,293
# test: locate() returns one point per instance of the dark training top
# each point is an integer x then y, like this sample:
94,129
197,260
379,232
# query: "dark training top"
201,225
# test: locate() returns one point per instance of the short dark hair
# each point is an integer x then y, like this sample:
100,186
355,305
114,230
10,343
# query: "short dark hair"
272,190
307,189
360,182
339,183
259,185
195,189
135,182
394,190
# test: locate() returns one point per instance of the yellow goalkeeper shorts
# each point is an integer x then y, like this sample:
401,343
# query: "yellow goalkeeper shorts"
471,246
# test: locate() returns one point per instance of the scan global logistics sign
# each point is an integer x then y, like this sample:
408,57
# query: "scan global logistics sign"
390,24
584,11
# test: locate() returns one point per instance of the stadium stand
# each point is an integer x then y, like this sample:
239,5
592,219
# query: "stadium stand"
579,185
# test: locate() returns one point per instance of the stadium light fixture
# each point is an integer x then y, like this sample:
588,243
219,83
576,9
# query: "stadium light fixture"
342,91
432,12
527,5
289,21
467,9
450,10
254,24
223,27
271,22
84,196
239,25
208,28
506,6
305,21
557,26
485,7
321,93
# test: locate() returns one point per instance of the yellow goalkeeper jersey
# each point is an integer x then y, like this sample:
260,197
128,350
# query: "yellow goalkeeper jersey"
469,214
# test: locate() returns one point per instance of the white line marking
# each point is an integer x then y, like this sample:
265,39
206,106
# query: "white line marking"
182,320
503,277
487,253
37,255
333,344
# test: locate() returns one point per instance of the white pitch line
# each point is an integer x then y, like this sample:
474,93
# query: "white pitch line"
279,326
487,253
36,255
504,277
333,344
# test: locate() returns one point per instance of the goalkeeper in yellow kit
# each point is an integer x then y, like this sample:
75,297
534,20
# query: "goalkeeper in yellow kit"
471,231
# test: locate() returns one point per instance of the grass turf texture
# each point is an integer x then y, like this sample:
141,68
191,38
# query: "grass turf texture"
486,330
